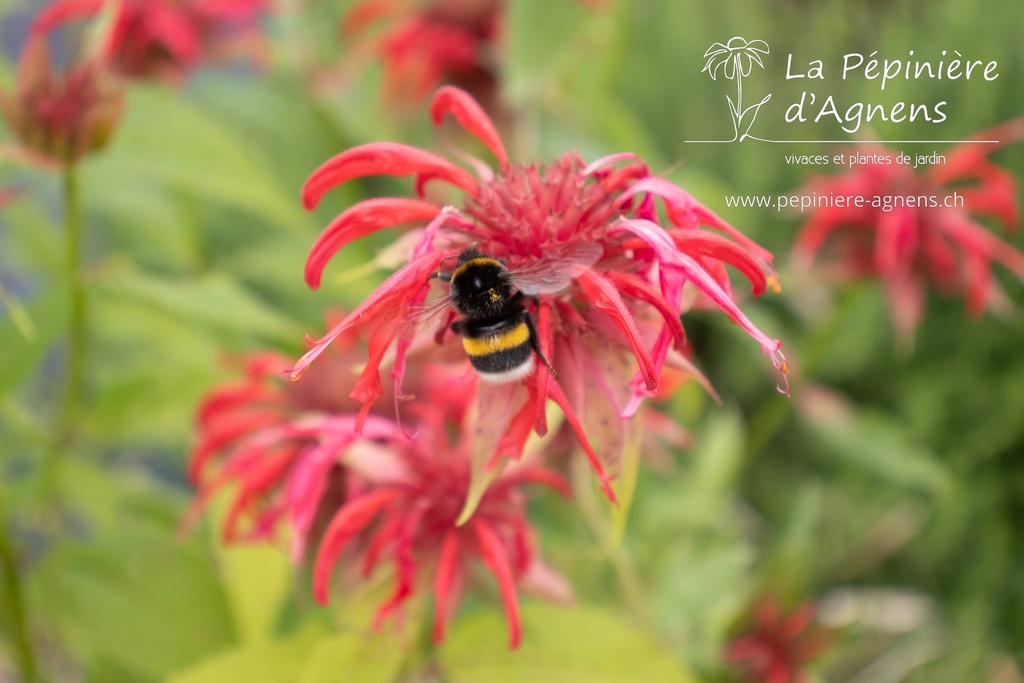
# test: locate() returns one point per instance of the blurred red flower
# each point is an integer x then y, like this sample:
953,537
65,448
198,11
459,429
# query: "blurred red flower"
918,228
360,499
425,45
59,117
621,306
776,647
165,39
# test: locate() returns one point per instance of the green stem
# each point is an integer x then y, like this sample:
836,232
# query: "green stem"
13,603
66,423
75,382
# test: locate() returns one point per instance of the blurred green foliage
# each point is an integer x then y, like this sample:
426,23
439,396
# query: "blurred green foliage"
891,469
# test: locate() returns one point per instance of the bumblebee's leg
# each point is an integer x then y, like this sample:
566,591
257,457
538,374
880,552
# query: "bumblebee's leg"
459,327
441,275
535,343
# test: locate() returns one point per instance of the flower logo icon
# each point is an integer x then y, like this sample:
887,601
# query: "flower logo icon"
735,60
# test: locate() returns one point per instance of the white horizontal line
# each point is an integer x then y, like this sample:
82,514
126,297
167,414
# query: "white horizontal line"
854,142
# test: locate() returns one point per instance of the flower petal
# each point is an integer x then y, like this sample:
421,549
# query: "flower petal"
494,555
669,256
633,286
358,221
446,568
381,158
687,212
559,398
470,115
604,297
225,432
399,288
348,522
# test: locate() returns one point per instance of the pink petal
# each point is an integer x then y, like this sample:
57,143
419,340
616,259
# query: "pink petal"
701,243
659,240
400,288
542,377
385,534
633,286
230,399
602,295
225,432
446,566
406,569
307,483
513,441
368,386
559,398
381,158
494,555
348,522
470,115
600,164
260,477
175,32
533,475
685,211
358,221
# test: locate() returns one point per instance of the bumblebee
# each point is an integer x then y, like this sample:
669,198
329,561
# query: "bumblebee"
497,330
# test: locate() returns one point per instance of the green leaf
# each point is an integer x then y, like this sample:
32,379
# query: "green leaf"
582,644
366,658
19,356
165,139
133,598
546,44
876,443
273,662
213,301
257,579
625,485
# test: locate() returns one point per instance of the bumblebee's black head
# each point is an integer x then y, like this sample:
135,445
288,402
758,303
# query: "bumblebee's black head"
481,286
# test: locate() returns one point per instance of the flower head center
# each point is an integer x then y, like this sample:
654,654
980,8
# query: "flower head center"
527,208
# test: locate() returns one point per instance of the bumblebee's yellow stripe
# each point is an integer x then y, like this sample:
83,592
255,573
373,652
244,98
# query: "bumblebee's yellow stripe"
485,346
478,261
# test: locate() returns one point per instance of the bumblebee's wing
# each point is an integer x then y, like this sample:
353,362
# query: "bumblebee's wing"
432,313
555,271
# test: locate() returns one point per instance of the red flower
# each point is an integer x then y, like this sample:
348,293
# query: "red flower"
415,491
163,38
621,309
59,117
262,429
385,496
428,44
775,649
918,228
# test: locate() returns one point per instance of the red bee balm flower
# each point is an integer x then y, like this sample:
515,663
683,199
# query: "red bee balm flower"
411,507
775,649
163,38
915,228
443,41
618,305
288,457
59,117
